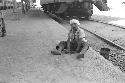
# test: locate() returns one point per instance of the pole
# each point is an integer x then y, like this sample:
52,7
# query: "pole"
15,10
14,5
23,11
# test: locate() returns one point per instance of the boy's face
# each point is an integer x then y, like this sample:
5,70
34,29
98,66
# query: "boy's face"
74,25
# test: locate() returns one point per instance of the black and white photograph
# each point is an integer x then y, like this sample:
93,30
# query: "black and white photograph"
62,41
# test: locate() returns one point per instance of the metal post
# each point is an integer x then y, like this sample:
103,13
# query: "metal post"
15,11
23,11
14,5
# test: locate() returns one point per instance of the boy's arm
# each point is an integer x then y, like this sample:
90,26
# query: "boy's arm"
68,42
79,44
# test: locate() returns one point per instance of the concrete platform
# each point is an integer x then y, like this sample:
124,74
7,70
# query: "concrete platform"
25,55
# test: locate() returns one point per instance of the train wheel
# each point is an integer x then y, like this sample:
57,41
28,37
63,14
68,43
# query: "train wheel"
87,17
65,15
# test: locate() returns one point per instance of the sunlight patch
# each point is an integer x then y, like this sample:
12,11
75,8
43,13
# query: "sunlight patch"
119,22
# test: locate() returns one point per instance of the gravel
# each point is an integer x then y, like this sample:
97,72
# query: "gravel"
97,44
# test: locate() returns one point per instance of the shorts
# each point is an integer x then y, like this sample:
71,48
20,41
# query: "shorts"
73,46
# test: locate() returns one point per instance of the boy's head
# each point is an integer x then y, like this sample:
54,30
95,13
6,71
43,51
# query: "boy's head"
74,23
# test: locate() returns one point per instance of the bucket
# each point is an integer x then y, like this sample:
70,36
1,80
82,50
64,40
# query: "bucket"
105,52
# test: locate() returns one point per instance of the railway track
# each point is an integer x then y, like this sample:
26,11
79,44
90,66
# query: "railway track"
116,49
103,38
122,27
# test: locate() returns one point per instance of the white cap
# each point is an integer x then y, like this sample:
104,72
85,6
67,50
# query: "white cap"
74,21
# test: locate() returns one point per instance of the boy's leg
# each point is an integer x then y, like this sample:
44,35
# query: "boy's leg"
62,45
85,48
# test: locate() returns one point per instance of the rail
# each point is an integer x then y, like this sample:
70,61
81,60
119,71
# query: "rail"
92,32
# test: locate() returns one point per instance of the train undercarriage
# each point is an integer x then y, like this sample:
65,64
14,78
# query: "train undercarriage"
63,10
76,8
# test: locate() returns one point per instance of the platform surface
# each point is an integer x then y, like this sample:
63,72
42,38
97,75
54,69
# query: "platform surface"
25,55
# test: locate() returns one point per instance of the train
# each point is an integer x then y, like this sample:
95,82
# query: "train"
6,4
79,8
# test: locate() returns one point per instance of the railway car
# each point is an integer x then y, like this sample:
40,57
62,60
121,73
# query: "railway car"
79,8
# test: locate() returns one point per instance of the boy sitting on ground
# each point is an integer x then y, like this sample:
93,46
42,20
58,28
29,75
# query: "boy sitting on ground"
76,40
